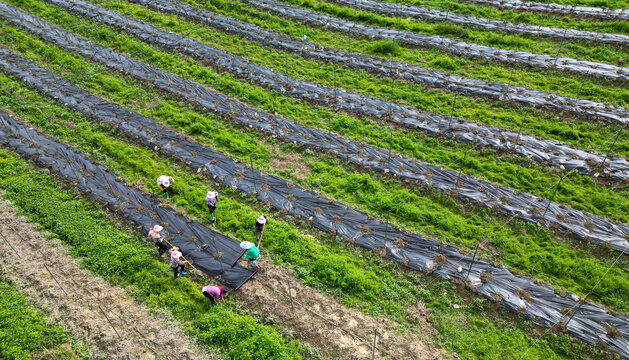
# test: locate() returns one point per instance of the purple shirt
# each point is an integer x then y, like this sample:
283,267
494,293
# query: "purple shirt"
213,290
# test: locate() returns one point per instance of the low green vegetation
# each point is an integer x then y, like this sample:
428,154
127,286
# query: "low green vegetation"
577,190
535,44
26,331
524,17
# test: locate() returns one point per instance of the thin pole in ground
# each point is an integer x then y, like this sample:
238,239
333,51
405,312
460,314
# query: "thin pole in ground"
290,295
472,263
373,348
553,196
452,112
611,147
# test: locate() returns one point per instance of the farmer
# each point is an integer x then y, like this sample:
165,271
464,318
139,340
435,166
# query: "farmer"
214,293
251,254
260,223
175,263
210,199
156,237
164,182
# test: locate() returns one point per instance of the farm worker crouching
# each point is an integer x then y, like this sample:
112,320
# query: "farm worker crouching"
175,263
251,254
164,182
260,223
156,237
214,293
210,200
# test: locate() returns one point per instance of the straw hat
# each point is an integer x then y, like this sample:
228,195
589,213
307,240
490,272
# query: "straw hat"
262,219
157,228
175,255
246,245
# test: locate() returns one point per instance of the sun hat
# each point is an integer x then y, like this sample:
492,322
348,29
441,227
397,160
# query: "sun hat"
211,194
246,245
175,255
166,183
157,228
262,219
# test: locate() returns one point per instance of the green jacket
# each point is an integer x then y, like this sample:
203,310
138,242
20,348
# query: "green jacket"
252,253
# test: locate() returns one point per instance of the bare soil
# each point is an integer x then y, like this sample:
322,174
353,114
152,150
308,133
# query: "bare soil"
267,294
87,304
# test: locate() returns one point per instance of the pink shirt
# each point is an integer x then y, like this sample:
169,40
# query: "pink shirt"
213,290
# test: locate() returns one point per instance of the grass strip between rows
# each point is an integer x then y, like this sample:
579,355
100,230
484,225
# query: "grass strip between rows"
434,213
577,190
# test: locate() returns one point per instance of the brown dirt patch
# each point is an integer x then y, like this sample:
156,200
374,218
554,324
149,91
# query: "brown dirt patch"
267,293
290,162
80,311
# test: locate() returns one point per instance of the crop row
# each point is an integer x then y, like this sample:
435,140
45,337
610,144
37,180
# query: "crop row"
418,253
557,9
394,69
417,12
104,186
456,47
433,125
581,225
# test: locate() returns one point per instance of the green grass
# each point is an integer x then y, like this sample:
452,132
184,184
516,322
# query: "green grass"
411,207
26,331
530,18
579,191
536,44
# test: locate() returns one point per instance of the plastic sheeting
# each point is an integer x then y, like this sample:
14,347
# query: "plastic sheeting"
527,207
456,47
398,70
412,250
410,11
134,206
557,9
539,150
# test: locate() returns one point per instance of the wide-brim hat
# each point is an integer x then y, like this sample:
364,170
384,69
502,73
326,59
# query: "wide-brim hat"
166,183
211,194
158,228
175,255
261,219
246,245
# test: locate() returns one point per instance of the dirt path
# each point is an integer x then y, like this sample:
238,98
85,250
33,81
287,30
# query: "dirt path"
85,314
267,293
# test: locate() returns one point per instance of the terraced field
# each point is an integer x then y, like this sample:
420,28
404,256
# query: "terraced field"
451,177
